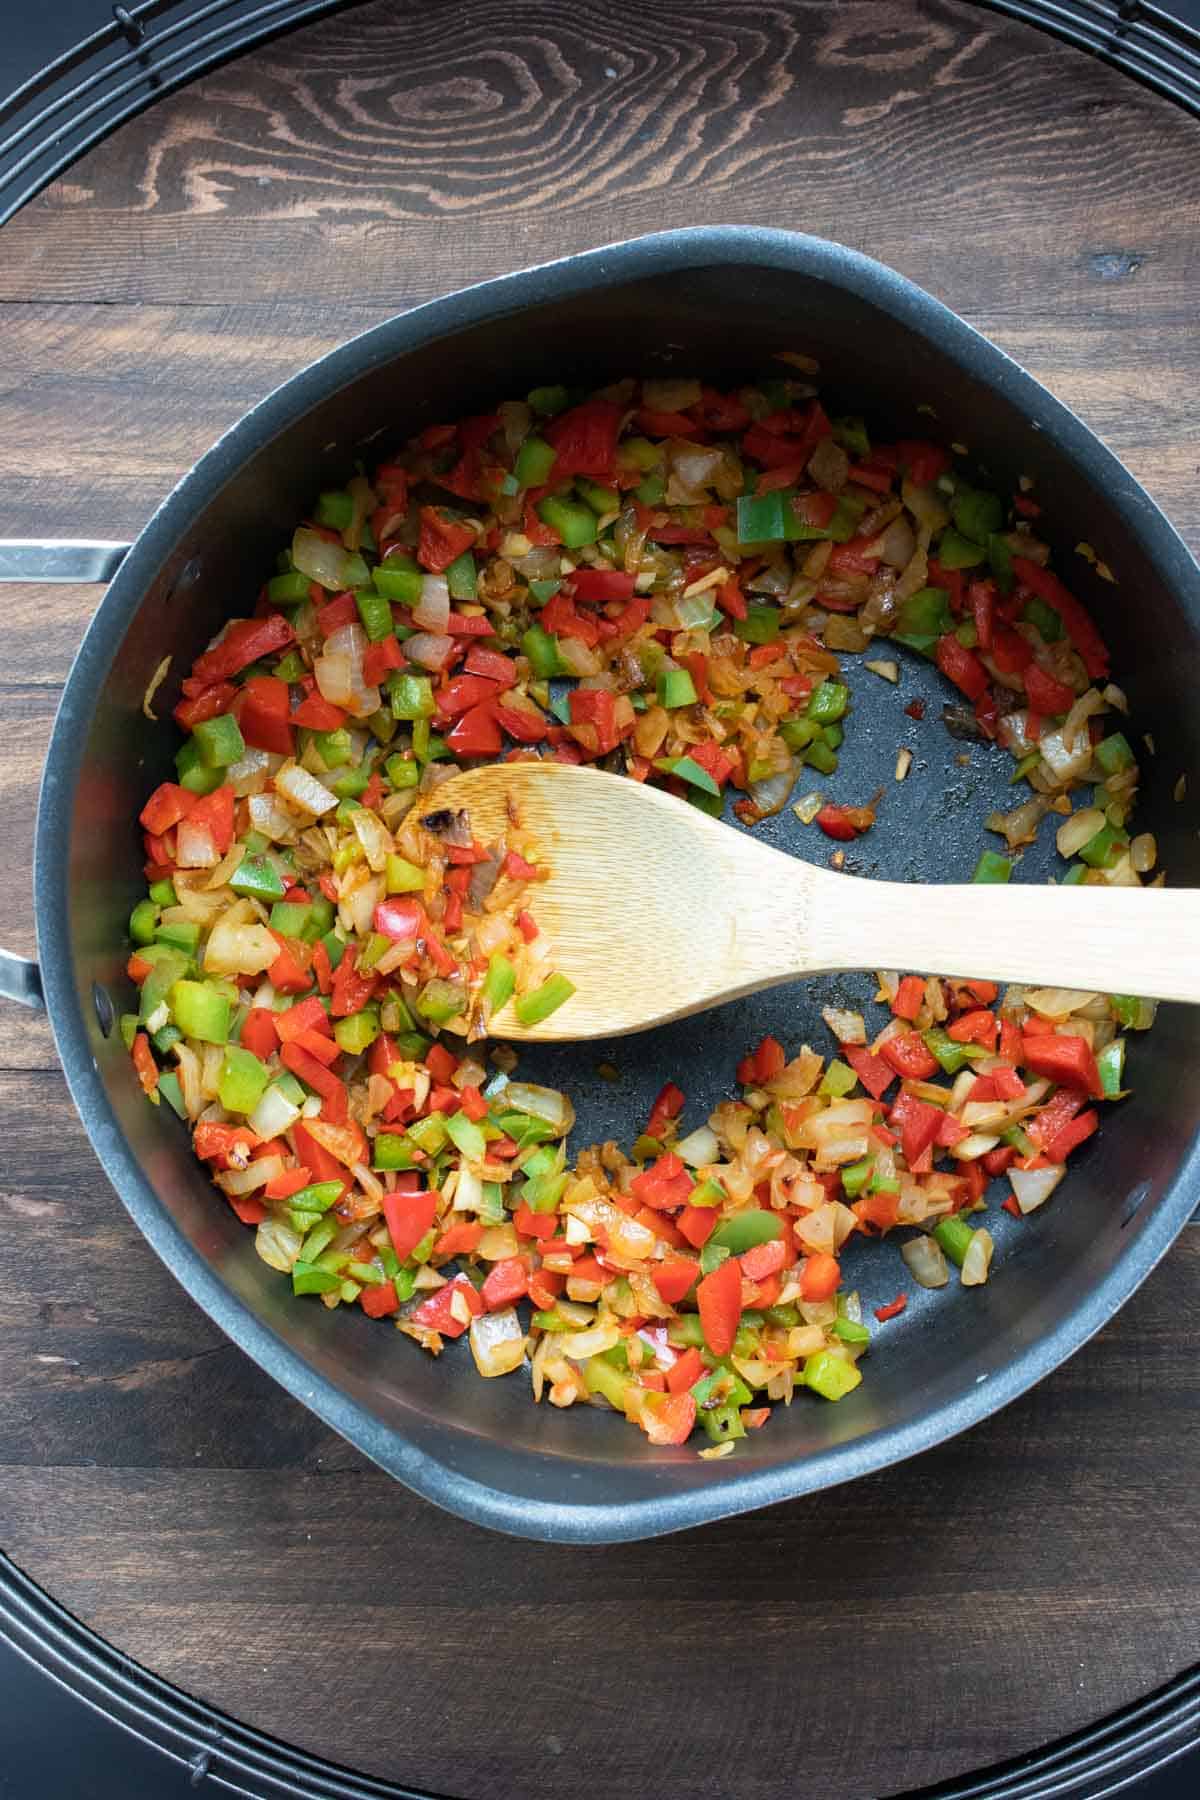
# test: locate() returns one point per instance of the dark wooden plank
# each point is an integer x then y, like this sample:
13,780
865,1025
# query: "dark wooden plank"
963,1608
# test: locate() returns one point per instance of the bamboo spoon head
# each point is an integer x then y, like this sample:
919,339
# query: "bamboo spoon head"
652,909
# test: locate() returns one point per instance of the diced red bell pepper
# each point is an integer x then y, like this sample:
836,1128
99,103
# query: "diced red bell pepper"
585,440
950,1131
1076,620
458,1239
258,1032
167,805
400,918
476,733
262,713
820,1277
314,1155
206,704
669,1420
305,1015
665,1183
852,558
507,1281
1012,652
658,424
599,585
492,665
981,601
1007,1083
248,1207
962,667
719,1299
1010,1041
464,692
923,461
442,539
908,1055
976,1027
315,1043
765,1260
668,1105
409,1217
536,1225
867,476
770,1059
872,1071
685,1371
380,659
441,1063
1046,695
918,1123
341,610
697,1224
674,1278
1072,1135
215,812
894,1307
524,727
595,707
380,1300
213,1142
732,601
995,1162
246,641
1067,1060
313,1073
1058,1111
473,1103
351,991
835,824
910,997
318,714
436,1313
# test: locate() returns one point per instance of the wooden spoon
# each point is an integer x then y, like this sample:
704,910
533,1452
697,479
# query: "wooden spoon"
656,911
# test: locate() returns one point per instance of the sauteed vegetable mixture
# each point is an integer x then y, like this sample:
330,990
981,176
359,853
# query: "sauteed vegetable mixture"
658,579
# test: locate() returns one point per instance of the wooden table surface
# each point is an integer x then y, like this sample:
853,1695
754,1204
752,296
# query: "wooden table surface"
999,1591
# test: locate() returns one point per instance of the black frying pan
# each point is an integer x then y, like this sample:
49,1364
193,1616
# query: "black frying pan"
717,302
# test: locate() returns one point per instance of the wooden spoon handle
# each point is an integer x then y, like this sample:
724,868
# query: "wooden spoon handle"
1142,941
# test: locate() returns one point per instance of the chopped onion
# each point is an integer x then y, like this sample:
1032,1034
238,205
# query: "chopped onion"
304,791
1064,762
829,466
339,672
194,846
771,796
277,1244
248,1180
1020,825
497,1342
268,817
322,561
671,393
1033,1187
807,809
898,544
1058,1003
926,1261
274,1114
239,947
432,650
579,659
432,611
1143,852
1079,830
582,1344
249,774
699,1147
978,1259
372,834
1085,708
541,1103
847,1027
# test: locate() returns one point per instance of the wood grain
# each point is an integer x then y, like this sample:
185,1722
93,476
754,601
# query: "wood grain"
1003,1589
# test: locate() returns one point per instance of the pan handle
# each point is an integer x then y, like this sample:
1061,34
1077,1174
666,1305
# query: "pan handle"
58,560
20,979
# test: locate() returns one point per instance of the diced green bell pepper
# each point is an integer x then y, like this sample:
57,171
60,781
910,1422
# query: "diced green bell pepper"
675,689
402,771
1000,559
828,702
288,589
535,459
837,1080
466,1136
257,877
143,922
1104,849
307,1278
193,772
958,552
574,522
1039,612
708,1192
851,433
201,1011
851,1332
392,1152
976,514
761,624
746,1229
541,647
1113,753
499,983
546,401
172,1093
289,917
376,614
358,1031
601,499
532,1008
855,1177
461,577
182,934
1111,1064
440,1000
992,867
335,509
219,741
830,1376
242,1080
402,876
952,1056
163,893
954,1235
412,696
542,591
399,581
